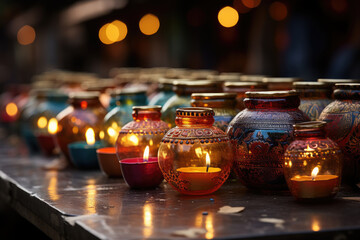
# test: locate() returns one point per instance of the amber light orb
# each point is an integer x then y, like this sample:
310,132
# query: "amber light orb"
312,163
195,157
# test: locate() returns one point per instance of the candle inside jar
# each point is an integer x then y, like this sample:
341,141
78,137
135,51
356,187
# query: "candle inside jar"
314,186
200,178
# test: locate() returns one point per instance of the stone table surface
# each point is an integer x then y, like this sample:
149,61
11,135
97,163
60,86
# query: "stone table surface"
75,204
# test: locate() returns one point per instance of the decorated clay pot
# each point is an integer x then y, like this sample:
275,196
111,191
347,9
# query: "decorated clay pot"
343,126
261,134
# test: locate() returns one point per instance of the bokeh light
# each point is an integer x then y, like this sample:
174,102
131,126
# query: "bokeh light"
11,109
278,11
122,29
113,32
228,17
240,7
26,35
339,5
149,24
251,3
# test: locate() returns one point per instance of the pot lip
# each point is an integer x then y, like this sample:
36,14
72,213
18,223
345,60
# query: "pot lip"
281,79
84,95
205,96
194,83
340,80
310,85
271,94
348,85
309,125
245,84
147,108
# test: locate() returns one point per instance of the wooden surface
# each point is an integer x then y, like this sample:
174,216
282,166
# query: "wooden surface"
74,204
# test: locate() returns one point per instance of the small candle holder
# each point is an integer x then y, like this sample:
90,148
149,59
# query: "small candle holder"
195,157
83,154
108,162
312,163
140,136
141,172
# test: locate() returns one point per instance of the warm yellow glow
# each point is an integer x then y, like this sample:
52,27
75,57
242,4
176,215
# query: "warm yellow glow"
42,122
11,109
122,29
314,173
209,226
147,215
149,24
53,126
112,32
228,17
198,152
103,36
111,132
114,125
90,136
290,163
308,149
146,154
101,134
26,35
52,188
151,142
91,197
134,139
305,163
315,225
207,159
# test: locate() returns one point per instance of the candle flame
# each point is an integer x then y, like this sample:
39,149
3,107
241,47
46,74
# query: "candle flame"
90,136
146,154
314,173
207,162
53,126
11,109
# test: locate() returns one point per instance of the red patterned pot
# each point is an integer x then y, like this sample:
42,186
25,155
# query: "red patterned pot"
343,118
261,134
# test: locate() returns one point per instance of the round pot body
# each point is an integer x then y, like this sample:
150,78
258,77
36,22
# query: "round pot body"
343,126
261,134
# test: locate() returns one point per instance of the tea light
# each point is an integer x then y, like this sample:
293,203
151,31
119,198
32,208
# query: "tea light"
200,178
141,172
314,186
83,154
108,162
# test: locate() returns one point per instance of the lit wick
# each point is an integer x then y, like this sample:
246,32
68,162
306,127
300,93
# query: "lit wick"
146,154
207,162
314,173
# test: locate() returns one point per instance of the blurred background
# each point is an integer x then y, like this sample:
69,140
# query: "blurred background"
307,39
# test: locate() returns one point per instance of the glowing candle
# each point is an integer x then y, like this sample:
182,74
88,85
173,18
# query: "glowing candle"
314,186
200,180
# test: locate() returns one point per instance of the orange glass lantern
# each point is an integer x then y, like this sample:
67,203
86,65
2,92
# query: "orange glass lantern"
195,157
85,111
312,163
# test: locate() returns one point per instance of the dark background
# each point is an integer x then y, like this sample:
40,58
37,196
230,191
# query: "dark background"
316,39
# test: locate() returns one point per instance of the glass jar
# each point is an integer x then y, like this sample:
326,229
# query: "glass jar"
85,111
183,90
45,125
146,129
312,163
195,157
240,88
165,87
314,97
261,134
343,126
223,104
280,83
121,114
